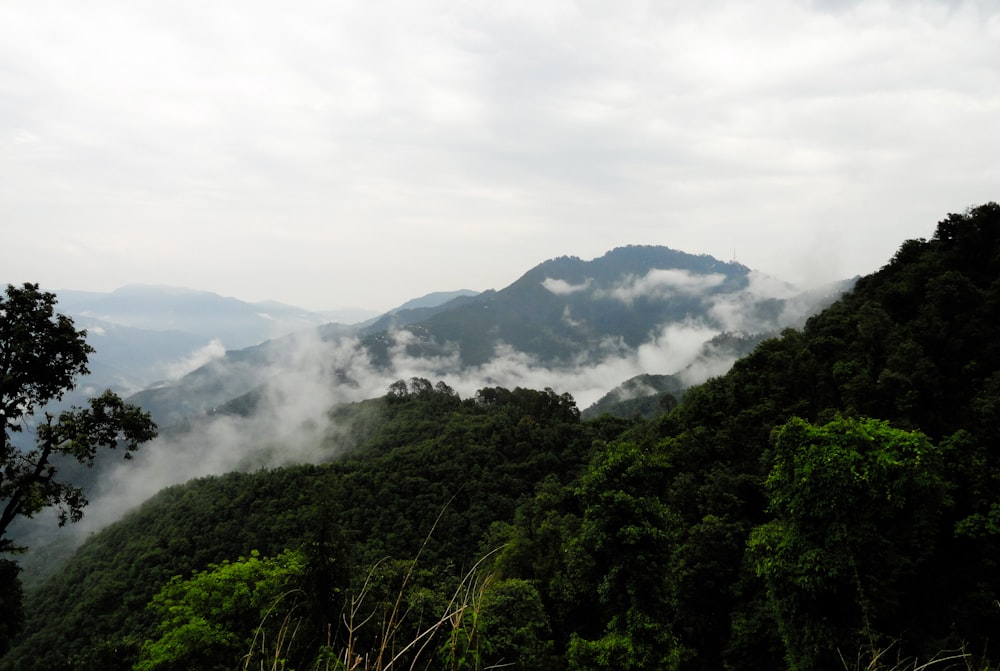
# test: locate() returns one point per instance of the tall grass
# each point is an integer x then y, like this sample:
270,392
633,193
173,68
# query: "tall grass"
889,659
396,646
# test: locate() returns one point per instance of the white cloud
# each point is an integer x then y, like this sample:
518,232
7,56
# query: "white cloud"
210,352
662,284
674,347
562,287
567,316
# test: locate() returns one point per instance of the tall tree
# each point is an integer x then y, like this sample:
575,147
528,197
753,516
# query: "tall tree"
41,355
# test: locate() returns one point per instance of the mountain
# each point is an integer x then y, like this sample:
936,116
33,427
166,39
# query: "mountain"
566,308
237,372
582,326
235,323
567,311
417,310
433,300
145,335
832,499
210,385
349,315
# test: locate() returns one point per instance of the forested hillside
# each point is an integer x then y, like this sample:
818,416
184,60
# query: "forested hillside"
836,493
833,501
429,460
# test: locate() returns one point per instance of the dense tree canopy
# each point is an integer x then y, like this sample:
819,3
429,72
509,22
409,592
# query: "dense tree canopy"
216,617
855,506
431,474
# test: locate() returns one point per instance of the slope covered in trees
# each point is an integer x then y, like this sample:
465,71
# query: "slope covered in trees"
434,461
833,500
782,524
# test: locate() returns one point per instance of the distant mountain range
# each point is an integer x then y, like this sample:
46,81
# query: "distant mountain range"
636,310
235,323
147,335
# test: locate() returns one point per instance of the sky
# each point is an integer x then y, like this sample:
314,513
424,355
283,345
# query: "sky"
340,154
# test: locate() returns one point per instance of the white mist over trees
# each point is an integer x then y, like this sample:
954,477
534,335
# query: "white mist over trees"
285,417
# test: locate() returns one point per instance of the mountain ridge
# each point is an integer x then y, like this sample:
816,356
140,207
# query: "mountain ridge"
562,314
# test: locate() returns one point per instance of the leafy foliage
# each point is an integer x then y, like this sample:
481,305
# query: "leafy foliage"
205,619
898,540
855,504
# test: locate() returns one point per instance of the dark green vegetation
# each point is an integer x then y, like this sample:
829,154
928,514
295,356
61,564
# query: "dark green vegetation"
430,457
834,496
41,355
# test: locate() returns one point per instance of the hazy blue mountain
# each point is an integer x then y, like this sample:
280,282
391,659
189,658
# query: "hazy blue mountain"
128,358
433,299
147,336
208,386
356,316
235,323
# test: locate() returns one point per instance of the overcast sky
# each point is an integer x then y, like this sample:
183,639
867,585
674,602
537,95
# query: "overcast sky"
335,154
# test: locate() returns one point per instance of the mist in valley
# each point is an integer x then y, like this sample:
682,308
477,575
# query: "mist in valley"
284,416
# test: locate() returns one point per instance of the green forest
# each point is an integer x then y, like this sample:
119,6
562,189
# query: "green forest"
832,502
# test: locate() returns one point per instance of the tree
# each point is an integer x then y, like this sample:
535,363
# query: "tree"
516,626
41,355
621,556
216,617
856,507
